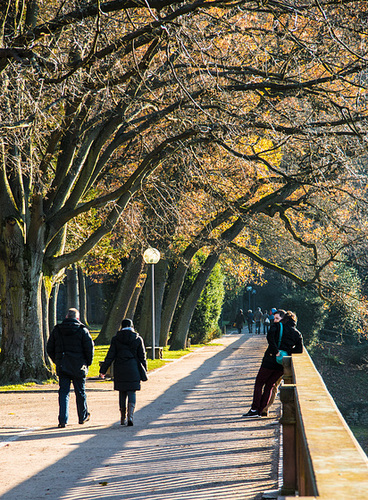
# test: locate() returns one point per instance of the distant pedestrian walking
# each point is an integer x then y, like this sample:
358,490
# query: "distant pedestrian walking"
265,322
250,320
271,315
129,355
70,347
239,321
257,319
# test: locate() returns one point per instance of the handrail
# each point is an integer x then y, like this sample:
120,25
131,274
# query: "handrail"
321,457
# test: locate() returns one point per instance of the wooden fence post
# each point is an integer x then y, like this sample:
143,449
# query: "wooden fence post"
288,421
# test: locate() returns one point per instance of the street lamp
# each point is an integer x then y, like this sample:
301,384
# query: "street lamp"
254,299
249,289
152,256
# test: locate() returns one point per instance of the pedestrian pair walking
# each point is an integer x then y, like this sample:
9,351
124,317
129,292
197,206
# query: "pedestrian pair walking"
70,347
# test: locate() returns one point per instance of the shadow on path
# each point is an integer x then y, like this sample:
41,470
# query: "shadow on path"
189,443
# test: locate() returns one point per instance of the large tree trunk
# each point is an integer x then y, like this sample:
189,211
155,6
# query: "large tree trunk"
145,324
45,320
161,276
72,287
172,294
179,336
161,272
22,345
180,333
82,296
53,306
121,300
134,299
145,309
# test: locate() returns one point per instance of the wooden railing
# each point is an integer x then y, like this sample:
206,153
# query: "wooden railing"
321,457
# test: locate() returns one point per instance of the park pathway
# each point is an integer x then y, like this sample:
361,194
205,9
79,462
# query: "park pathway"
188,442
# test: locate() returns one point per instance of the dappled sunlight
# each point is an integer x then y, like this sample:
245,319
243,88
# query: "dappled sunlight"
188,441
199,449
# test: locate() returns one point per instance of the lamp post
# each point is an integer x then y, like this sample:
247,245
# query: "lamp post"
254,299
152,256
249,289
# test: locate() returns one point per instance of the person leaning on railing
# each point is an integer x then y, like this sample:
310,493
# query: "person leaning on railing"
271,371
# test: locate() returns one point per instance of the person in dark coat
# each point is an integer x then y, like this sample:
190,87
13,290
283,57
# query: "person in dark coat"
257,318
239,321
126,350
271,371
250,317
71,341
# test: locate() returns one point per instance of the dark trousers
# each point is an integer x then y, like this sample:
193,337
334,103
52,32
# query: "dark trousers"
123,395
265,380
80,396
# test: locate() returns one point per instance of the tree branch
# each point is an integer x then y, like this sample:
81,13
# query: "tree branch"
269,265
125,193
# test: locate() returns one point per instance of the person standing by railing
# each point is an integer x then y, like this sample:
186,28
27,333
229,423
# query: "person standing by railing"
271,371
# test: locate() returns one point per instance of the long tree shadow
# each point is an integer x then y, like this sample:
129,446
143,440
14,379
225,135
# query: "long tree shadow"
188,444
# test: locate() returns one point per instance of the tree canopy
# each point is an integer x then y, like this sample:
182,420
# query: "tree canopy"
257,110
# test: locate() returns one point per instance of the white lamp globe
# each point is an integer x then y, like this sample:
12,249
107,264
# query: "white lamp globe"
151,256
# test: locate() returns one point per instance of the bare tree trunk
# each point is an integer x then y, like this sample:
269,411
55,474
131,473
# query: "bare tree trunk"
179,336
119,306
45,320
145,311
72,287
145,325
134,299
53,306
82,296
22,344
180,333
161,275
173,293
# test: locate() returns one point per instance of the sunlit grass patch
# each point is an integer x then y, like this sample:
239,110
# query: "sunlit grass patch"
152,364
26,385
99,355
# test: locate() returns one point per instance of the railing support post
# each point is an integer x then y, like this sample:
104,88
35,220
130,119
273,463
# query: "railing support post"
288,421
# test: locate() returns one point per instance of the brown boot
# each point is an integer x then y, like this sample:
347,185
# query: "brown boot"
122,416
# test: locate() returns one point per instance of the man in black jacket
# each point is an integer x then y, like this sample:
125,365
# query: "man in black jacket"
71,347
271,371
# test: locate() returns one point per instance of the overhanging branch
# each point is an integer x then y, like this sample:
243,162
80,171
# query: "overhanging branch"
269,265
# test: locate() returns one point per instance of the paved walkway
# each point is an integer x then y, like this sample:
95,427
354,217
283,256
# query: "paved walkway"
188,441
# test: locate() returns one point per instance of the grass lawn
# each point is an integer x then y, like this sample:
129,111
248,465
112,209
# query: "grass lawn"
100,353
152,364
